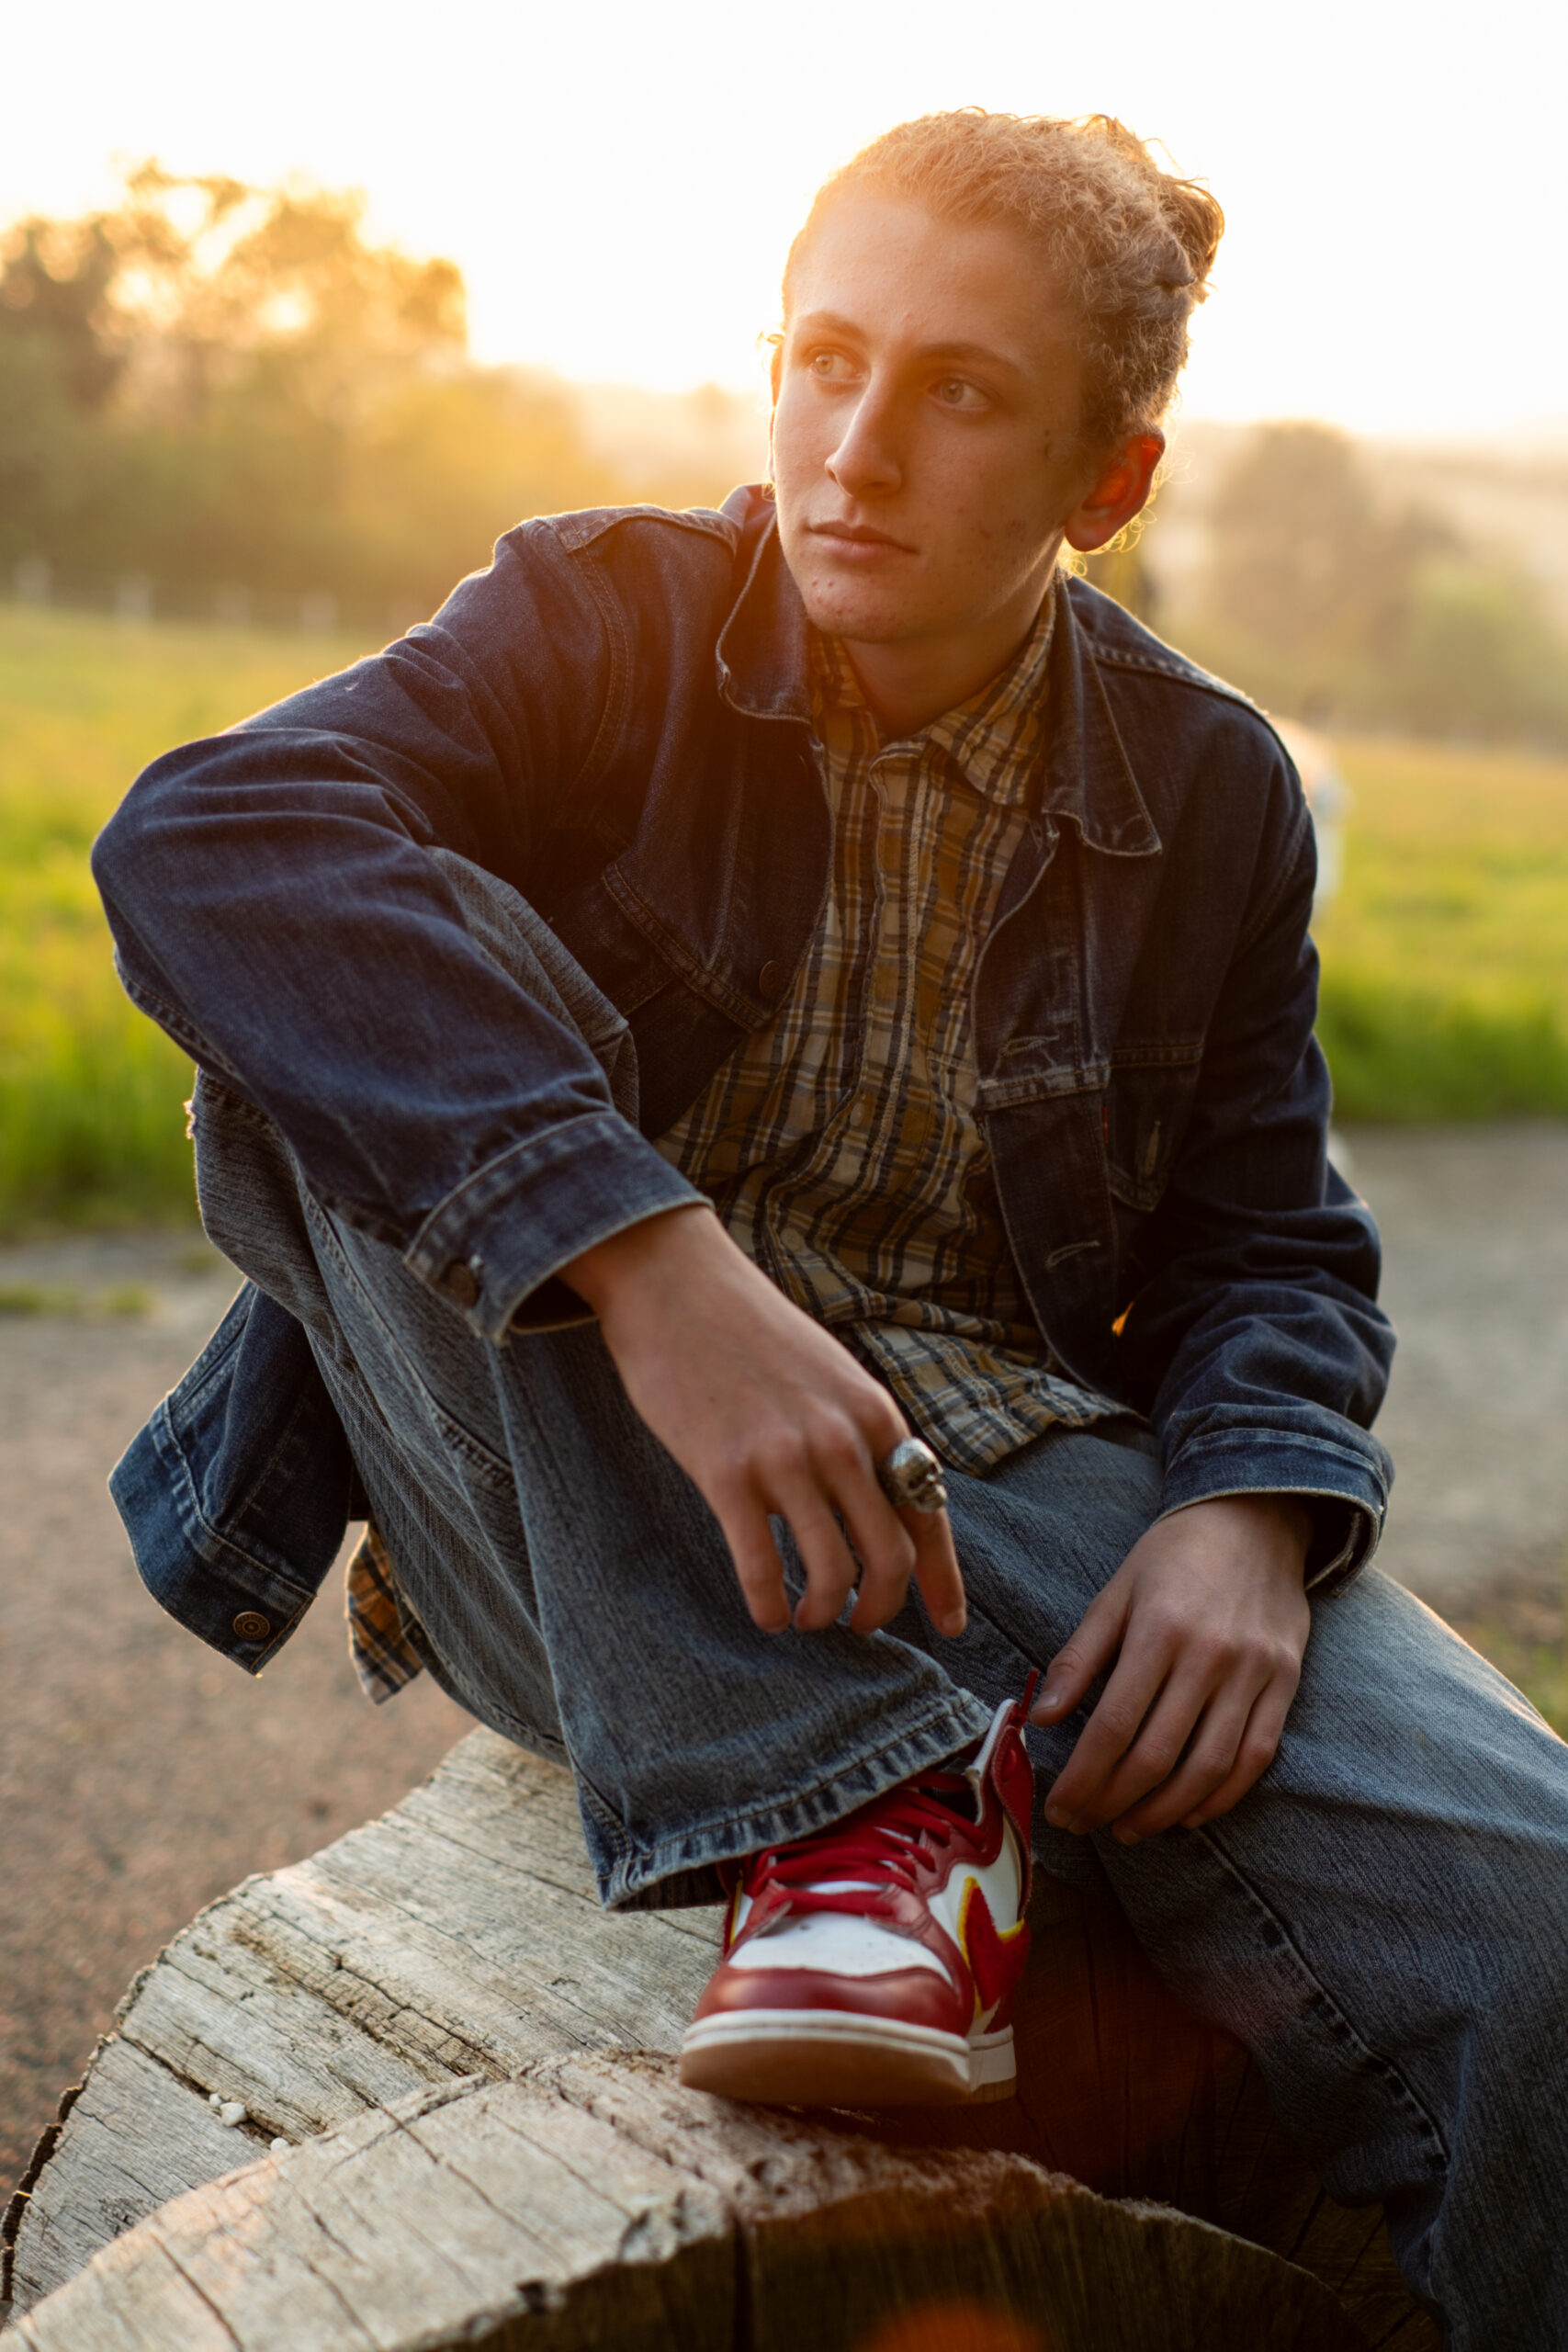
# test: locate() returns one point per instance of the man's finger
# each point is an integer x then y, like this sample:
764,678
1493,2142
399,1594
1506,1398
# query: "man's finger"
829,1563
886,1543
937,1572
1259,1745
1148,1761
1211,1756
758,1567
1078,1661
1136,1684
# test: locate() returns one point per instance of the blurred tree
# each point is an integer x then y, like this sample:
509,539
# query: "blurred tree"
447,463
54,291
1480,656
223,385
1327,602
1306,561
43,463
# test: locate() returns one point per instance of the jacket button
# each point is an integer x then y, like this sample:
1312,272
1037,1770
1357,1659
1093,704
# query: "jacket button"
252,1626
461,1283
770,982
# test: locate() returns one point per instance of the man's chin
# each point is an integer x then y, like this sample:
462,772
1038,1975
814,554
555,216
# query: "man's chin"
853,609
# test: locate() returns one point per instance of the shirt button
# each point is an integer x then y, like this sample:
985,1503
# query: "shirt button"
770,982
461,1283
252,1626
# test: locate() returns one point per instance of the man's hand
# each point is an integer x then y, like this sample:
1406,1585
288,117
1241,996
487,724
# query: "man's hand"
1207,1623
765,1412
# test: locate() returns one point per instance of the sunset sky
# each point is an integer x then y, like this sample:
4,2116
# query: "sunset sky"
619,183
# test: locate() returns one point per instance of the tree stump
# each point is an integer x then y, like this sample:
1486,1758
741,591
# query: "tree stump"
471,2065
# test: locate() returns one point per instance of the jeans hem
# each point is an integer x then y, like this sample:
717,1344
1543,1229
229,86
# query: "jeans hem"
633,1880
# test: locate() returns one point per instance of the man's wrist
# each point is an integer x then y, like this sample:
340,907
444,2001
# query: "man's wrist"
600,1271
1290,1513
1297,1517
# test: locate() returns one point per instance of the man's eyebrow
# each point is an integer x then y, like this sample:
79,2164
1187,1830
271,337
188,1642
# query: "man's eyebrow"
981,353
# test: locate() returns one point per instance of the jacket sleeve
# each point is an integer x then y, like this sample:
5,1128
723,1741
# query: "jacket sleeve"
275,908
1254,1339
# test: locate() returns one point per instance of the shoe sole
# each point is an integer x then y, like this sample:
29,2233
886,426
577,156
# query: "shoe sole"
832,2058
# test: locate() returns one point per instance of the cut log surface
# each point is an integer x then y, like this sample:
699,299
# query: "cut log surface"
420,2008
595,2202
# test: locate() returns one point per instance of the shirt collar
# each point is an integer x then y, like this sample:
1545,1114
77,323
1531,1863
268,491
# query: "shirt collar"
995,738
764,672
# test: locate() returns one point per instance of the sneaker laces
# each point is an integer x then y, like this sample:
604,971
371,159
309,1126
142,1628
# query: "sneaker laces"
865,1861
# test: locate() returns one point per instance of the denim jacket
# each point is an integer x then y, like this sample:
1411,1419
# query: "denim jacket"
615,718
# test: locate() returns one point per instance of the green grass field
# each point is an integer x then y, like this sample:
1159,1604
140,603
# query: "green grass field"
1445,987
1445,957
91,1126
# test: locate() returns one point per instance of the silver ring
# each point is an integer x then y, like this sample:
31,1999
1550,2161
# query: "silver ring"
911,1477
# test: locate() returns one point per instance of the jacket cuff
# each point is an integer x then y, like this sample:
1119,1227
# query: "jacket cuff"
1345,1493
495,1245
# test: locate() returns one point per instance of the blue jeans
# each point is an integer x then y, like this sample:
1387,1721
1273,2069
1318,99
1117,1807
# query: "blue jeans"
1382,1921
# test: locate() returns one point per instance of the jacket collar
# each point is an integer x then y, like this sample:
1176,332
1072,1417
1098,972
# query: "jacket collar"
763,652
764,670
1088,776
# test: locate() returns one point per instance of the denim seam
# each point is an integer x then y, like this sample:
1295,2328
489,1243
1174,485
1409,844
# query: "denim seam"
783,1821
168,1018
302,1404
1284,879
505,1178
498,1473
474,1195
596,522
213,1359
1180,672
1320,1494
691,968
217,1550
1234,1440
612,621
1323,2001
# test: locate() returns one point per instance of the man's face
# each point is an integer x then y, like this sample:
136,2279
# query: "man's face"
924,432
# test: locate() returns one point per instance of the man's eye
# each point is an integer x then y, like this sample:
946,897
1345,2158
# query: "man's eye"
956,392
829,365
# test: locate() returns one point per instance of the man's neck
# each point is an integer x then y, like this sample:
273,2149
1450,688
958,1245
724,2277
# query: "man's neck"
912,681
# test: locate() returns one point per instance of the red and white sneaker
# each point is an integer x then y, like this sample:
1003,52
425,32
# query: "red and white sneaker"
875,1964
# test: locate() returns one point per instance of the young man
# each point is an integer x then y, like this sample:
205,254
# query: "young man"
739,989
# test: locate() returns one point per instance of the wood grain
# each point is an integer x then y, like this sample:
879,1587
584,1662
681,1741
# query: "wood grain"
597,2203
457,1942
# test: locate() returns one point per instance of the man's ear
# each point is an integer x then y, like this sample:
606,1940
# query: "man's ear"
1122,491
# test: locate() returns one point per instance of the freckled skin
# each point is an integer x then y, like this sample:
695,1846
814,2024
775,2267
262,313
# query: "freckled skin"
928,390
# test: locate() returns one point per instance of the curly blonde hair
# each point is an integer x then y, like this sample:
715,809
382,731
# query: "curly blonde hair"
1129,245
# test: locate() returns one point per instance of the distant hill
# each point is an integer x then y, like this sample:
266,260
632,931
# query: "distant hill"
1505,496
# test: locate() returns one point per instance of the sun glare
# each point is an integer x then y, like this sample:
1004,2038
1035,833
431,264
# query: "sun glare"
618,185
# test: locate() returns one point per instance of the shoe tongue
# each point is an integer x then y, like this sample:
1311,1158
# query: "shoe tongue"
956,1792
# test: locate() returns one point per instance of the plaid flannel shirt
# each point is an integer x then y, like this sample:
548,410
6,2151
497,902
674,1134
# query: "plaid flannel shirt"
839,1145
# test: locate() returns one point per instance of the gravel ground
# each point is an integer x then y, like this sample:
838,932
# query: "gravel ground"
1475,1238
140,1775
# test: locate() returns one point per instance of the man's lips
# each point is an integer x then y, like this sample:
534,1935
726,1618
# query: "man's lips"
857,535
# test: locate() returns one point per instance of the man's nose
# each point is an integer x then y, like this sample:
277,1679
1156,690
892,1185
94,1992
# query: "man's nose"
866,460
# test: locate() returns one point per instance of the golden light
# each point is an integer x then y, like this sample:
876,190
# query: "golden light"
619,183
